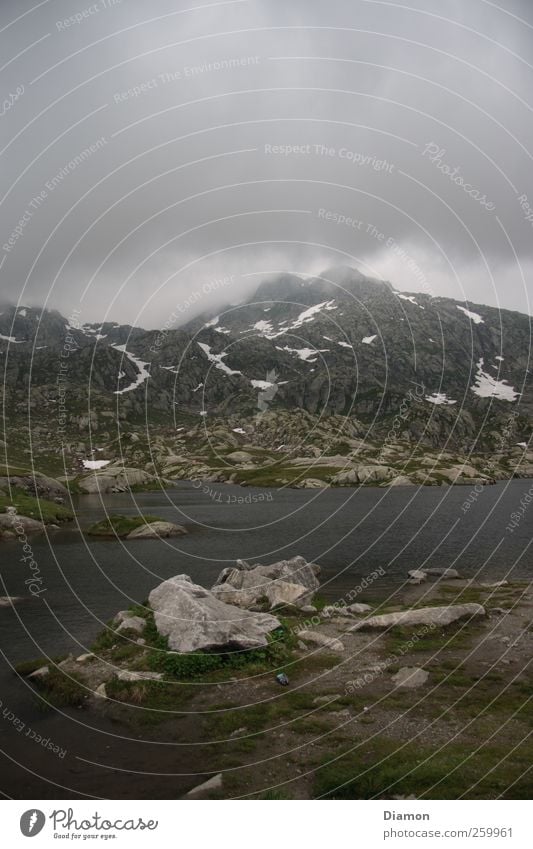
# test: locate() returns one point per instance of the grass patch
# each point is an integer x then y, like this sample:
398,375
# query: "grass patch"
119,526
382,768
402,641
278,475
311,726
195,665
157,701
61,690
255,718
209,666
26,667
35,508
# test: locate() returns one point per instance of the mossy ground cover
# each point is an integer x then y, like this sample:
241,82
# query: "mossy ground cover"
35,508
119,526
60,690
380,768
284,474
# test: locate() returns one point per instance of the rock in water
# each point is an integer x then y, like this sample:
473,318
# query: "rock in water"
286,582
157,530
436,616
438,572
194,619
416,576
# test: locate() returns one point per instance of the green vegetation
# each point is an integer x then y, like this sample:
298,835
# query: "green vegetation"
381,768
120,526
255,718
156,656
190,666
279,474
404,640
155,701
35,508
59,689
26,667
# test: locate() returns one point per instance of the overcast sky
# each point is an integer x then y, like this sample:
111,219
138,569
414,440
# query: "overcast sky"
181,151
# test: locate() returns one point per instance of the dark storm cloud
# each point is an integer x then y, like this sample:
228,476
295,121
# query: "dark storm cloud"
156,156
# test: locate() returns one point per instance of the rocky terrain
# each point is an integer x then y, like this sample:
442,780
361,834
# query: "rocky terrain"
272,694
341,370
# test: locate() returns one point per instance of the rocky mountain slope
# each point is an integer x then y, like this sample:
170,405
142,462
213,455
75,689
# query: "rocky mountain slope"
354,356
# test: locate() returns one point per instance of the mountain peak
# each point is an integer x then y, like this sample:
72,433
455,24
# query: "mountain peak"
333,280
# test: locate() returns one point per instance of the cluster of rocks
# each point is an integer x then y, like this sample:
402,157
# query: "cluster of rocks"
419,576
231,615
194,619
115,478
288,582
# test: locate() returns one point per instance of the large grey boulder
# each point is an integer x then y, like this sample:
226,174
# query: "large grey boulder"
194,619
35,484
286,582
436,616
157,530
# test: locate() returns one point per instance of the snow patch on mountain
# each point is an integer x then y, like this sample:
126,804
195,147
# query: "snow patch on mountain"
95,464
304,353
486,386
410,298
263,326
440,399
216,359
473,316
143,374
310,314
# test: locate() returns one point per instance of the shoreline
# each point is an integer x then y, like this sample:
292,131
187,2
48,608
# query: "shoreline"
286,740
